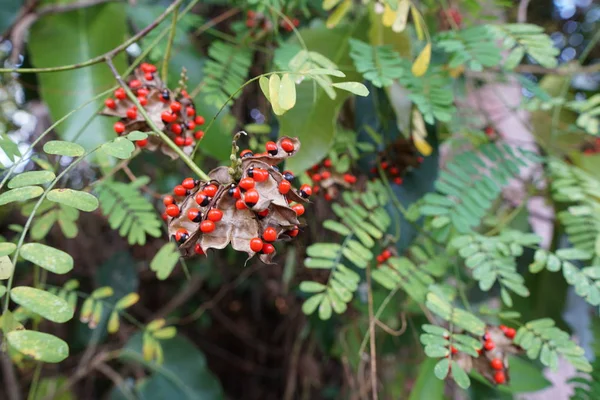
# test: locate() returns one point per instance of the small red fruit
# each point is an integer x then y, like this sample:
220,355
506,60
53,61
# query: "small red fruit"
172,210
510,333
188,141
386,254
263,213
453,350
135,84
256,245
246,184
168,116
268,248
179,141
119,127
316,189
199,120
327,163
181,236
499,377
142,92
296,22
234,192
497,364
210,190
207,226
316,177
188,183
202,199
293,232
175,106
176,129
251,197
328,197
385,165
489,345
143,101
420,159
398,181
180,190
298,208
142,143
305,191
168,200
260,175
190,111
120,94
215,215
270,234
240,205
287,145
349,178
380,259
271,148
325,175
284,187
191,125
194,215
394,171
131,113
110,103
198,249
148,76
199,135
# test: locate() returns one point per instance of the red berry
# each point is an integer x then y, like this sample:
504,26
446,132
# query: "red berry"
420,159
188,141
250,23
172,210
164,216
142,143
327,163
202,199
270,234
510,333
207,226
287,145
198,249
234,192
194,215
131,113
453,350
120,94
135,84
316,189
148,76
260,175
268,248
489,345
246,184
215,215
328,197
181,236
296,22
398,181
119,127
271,148
199,120
251,197
167,200
110,103
305,190
298,208
349,178
175,106
168,116
142,92
380,259
284,186
145,67
386,254
143,101
191,125
263,213
190,111
325,175
499,377
176,129
251,14
384,164
293,232
256,245
210,190
179,141
179,190
497,364
316,177
240,205
394,171
188,183
199,135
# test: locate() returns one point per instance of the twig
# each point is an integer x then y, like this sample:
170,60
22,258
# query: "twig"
11,385
522,12
167,57
391,331
374,393
116,379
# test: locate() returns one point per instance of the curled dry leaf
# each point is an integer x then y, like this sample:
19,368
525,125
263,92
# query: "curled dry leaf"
211,215
173,112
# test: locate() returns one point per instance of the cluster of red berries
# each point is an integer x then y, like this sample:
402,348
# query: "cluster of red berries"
250,212
496,363
324,177
255,19
384,256
593,148
397,159
174,113
393,172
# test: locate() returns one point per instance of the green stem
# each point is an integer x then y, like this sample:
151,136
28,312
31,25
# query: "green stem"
165,66
155,128
113,52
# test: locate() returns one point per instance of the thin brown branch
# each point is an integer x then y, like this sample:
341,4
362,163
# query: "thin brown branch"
11,384
391,331
522,12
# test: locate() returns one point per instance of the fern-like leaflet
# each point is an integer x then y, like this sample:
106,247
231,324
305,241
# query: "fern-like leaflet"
530,39
225,72
380,65
129,211
471,47
364,220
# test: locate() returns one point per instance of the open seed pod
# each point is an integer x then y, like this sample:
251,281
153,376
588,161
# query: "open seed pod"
397,159
173,112
247,206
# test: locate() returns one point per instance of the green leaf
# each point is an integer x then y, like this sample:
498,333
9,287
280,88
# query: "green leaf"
70,38
356,88
46,304
312,287
6,267
336,227
74,198
165,333
427,386
7,248
442,368
127,301
137,135
38,345
62,148
120,148
310,305
325,309
31,178
20,194
47,257
460,376
165,260
526,377
287,92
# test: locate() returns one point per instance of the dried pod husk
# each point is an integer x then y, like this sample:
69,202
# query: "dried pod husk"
158,101
240,222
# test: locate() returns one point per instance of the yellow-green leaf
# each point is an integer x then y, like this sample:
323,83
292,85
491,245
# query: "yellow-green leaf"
47,257
287,93
421,64
20,194
74,198
356,88
49,306
113,322
419,133
127,301
165,333
38,345
401,16
389,16
338,14
62,148
7,248
263,82
6,267
31,178
274,87
416,15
